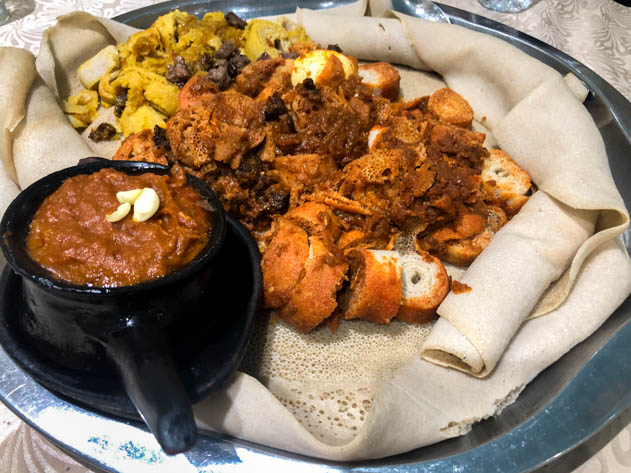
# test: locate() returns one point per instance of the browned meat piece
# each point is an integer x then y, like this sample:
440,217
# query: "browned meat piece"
226,50
380,167
375,180
103,132
229,188
219,73
389,180
302,48
303,171
332,73
120,102
234,20
178,72
274,108
278,83
204,62
140,147
223,128
237,63
271,75
374,293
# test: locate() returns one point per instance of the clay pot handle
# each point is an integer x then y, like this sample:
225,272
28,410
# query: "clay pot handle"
141,355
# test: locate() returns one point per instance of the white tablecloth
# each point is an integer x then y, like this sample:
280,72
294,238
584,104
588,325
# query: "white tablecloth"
595,32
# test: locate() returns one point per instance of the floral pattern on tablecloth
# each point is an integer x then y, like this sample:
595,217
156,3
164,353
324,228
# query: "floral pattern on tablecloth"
594,32
615,457
27,32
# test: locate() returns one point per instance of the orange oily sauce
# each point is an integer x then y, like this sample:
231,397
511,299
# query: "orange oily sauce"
71,237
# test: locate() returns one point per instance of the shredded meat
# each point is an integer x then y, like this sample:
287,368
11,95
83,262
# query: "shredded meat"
255,77
274,108
327,121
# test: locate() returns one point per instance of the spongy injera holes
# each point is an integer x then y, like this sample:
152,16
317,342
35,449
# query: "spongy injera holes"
317,389
333,416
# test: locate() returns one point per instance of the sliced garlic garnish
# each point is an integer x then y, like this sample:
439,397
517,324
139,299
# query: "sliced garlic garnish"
128,196
146,205
120,213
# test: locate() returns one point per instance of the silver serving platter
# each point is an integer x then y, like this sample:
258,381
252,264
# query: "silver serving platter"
563,417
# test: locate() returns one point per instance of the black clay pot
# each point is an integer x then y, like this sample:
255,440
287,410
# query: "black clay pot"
93,328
